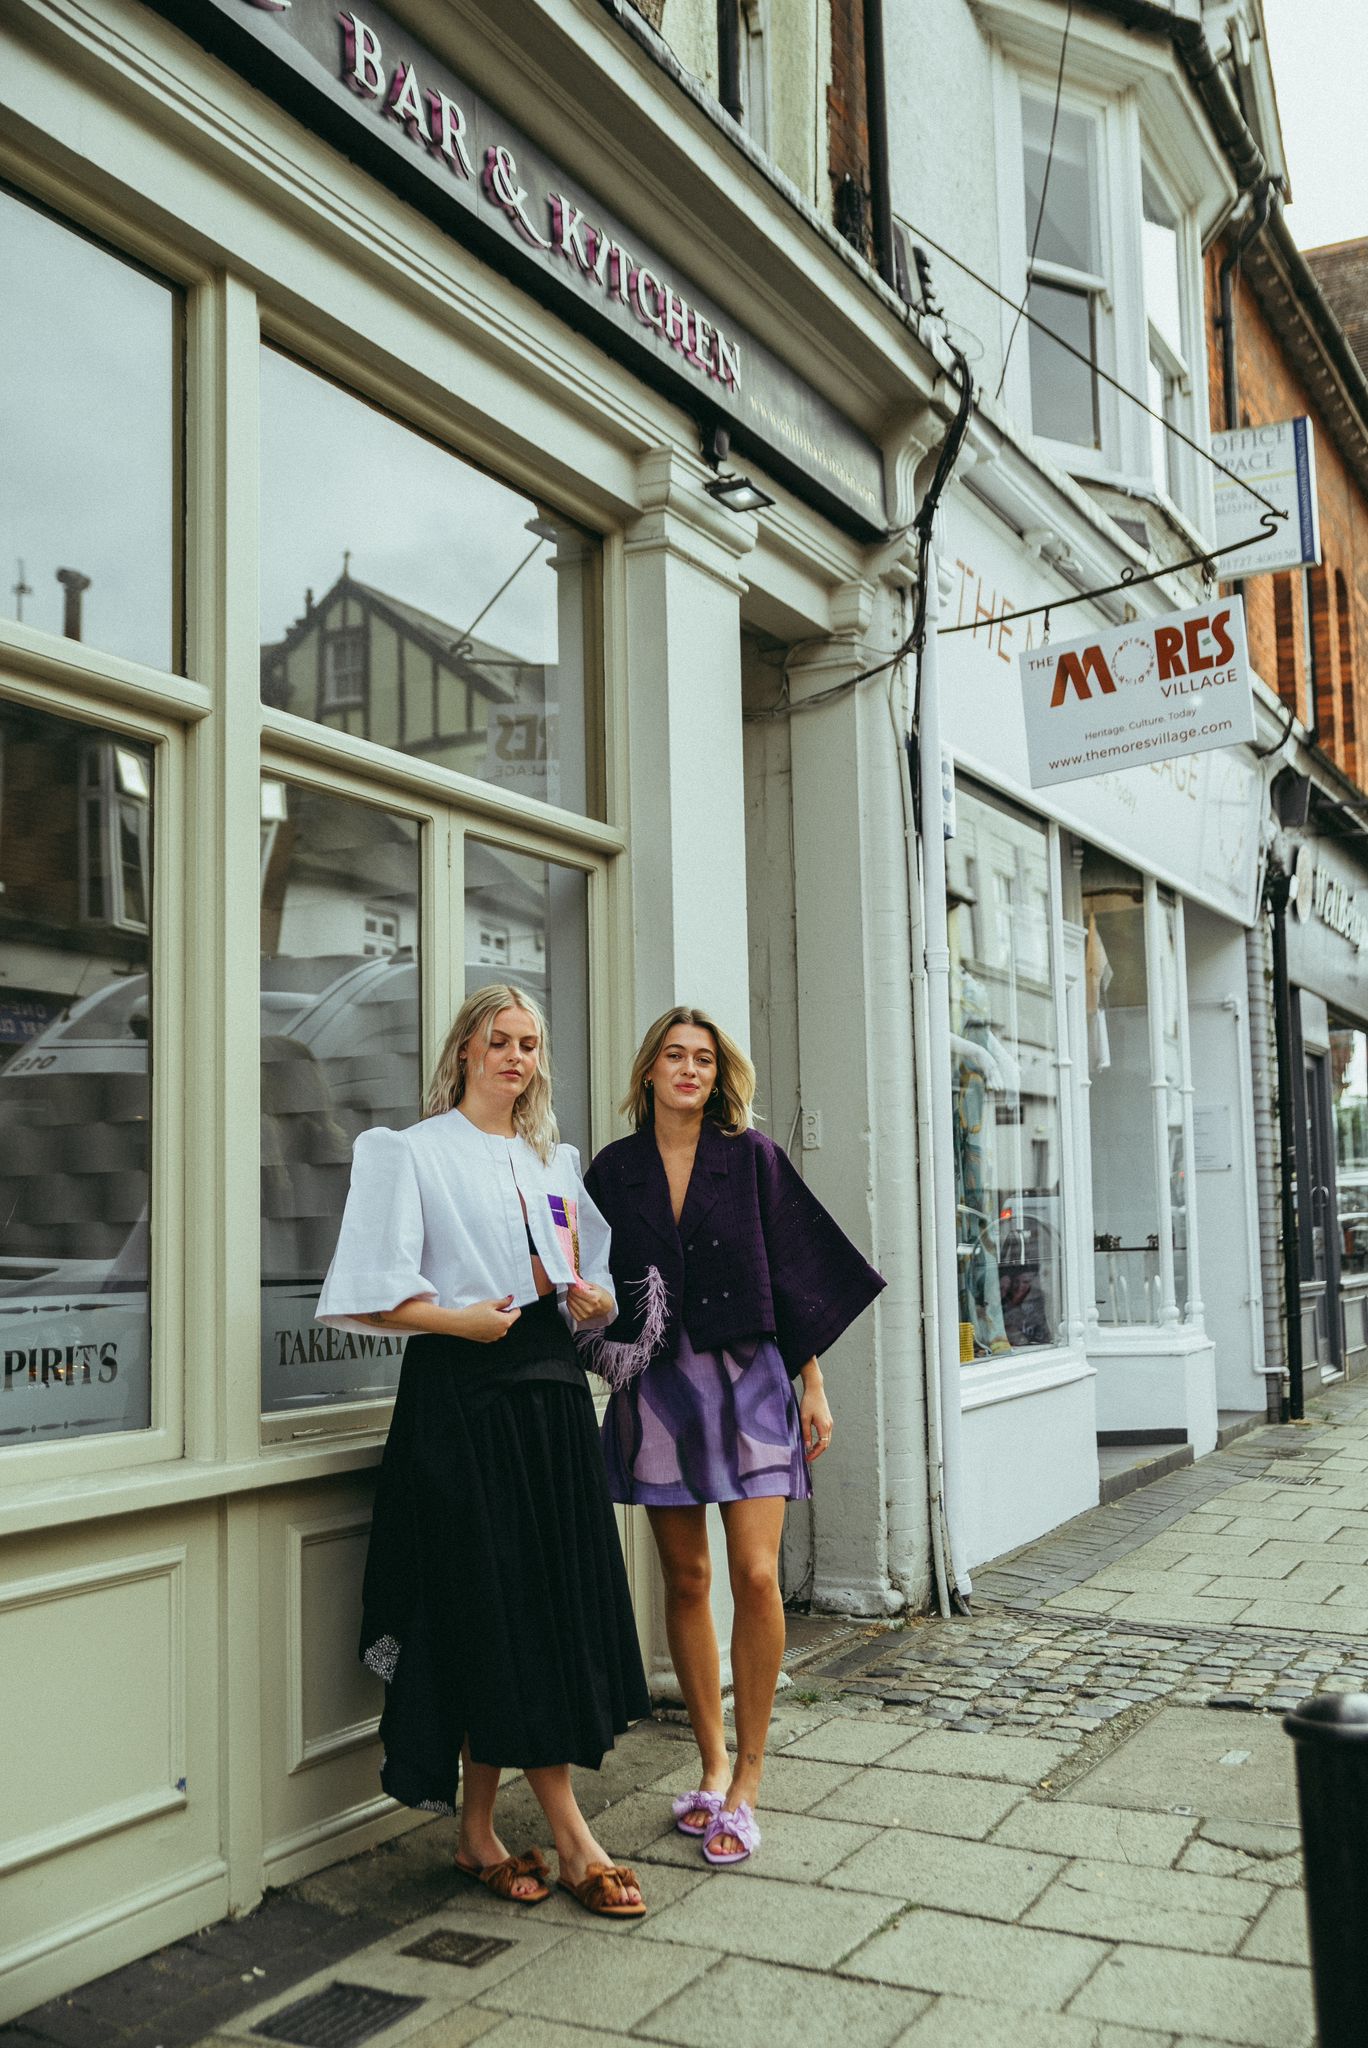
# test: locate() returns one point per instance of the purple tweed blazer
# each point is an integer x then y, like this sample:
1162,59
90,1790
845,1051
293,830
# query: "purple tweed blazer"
754,1252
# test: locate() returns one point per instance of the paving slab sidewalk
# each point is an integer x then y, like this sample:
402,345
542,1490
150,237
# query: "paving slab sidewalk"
1055,1824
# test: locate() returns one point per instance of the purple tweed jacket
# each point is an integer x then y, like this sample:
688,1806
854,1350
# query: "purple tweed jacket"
754,1252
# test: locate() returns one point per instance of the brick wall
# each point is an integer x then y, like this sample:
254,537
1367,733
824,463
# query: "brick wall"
848,126
1308,635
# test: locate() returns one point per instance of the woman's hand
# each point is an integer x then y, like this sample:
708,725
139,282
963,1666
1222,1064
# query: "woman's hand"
585,1302
814,1413
484,1322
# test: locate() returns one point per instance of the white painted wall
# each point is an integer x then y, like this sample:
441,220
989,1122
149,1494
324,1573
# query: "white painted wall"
1016,1484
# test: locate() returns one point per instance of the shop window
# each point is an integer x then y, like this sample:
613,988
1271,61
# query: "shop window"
539,912
412,600
339,1053
1175,1164
1135,1060
1005,1083
75,1081
1349,1085
90,350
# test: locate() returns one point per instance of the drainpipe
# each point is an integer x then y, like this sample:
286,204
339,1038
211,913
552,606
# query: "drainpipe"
1279,894
876,116
729,57
1225,319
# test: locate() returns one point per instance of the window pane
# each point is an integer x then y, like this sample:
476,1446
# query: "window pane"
339,1052
1125,1186
1068,229
89,380
527,922
1162,273
1349,1081
75,1087
409,599
1006,1104
1063,389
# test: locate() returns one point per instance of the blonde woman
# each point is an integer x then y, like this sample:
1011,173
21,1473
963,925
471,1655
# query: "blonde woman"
732,1279
495,1602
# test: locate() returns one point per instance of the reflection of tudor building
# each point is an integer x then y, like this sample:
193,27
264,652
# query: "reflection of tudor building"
381,670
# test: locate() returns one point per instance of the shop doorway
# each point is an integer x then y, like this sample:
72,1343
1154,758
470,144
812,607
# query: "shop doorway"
1318,1227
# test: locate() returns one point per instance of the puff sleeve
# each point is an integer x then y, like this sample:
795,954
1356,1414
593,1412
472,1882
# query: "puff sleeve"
595,1239
379,1255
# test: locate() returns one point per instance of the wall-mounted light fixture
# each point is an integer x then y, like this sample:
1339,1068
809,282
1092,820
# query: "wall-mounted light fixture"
737,493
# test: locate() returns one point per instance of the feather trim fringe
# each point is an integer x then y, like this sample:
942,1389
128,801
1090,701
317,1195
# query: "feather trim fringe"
619,1364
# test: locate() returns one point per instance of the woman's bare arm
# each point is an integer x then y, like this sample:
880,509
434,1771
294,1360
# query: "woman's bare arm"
483,1322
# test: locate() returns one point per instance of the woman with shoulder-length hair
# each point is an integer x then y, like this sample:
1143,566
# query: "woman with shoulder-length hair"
495,1602
732,1278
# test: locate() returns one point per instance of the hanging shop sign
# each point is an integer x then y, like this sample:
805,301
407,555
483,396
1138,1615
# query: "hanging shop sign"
361,81
1151,690
1279,460
1196,822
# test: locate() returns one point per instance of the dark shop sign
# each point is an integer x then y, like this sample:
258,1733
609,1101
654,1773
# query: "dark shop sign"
359,80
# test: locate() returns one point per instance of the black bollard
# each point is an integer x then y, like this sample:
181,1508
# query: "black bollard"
1331,1735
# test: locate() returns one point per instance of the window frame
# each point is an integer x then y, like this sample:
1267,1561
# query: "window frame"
1130,148
1035,1367
162,1441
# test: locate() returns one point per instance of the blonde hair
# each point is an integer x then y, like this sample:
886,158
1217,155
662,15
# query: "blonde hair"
729,1105
532,1116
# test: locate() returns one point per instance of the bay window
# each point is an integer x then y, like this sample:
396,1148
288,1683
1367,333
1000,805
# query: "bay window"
1107,252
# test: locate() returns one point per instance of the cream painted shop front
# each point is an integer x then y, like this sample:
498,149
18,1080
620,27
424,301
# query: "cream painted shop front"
373,636
1107,1240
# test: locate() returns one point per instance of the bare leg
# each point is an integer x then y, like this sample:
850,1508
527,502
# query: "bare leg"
478,1846
681,1536
753,1528
576,1845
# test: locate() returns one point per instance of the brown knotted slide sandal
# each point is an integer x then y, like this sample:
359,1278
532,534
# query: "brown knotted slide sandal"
601,1890
500,1878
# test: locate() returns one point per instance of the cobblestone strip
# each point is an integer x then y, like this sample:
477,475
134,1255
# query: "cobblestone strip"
1064,1675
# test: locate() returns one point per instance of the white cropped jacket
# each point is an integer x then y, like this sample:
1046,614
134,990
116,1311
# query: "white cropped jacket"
436,1212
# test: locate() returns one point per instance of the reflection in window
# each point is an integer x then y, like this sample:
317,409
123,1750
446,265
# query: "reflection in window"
1125,1183
1006,1106
1349,1083
339,1052
527,922
409,599
89,391
75,1086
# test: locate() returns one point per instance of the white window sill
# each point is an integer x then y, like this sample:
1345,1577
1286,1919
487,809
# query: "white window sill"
1016,1377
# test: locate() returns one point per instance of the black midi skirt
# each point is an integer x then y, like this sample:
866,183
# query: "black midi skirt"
495,1603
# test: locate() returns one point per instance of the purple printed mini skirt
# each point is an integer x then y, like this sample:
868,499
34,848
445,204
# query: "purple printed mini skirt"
707,1426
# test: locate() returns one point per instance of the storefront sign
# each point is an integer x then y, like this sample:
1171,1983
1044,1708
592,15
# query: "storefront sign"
1327,950
1195,822
71,1368
362,82
305,1364
1152,690
1280,462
